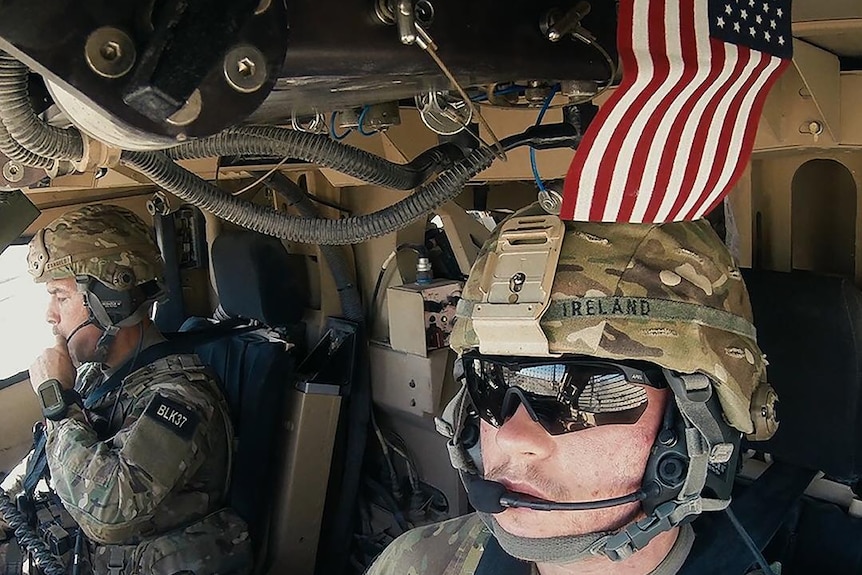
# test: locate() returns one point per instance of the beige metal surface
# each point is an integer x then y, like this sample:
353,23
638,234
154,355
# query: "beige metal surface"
842,37
300,494
820,72
410,318
772,178
465,234
20,410
407,382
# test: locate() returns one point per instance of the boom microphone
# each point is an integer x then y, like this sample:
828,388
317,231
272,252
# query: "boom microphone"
492,497
81,326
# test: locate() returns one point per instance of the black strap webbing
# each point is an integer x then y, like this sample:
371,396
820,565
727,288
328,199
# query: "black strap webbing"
495,561
184,342
761,508
38,463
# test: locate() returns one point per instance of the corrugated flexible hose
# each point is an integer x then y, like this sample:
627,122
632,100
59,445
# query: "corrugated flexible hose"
322,150
26,129
263,219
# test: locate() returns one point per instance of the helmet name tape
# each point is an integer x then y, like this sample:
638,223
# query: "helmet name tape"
635,307
64,261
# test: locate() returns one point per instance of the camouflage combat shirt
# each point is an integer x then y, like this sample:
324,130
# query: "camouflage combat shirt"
455,547
163,462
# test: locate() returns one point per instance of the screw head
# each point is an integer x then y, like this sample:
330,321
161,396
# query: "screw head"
245,68
110,52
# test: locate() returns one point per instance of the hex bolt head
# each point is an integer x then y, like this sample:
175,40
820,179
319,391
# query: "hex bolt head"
110,52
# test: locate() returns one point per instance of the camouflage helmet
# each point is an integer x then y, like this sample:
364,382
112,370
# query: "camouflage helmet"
666,293
105,242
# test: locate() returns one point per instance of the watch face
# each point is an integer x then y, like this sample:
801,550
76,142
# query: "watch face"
49,396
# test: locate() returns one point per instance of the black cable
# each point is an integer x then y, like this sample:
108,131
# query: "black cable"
129,368
269,221
329,204
300,200
321,149
24,126
758,556
420,251
28,538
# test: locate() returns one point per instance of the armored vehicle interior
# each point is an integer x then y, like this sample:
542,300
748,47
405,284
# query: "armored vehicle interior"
325,172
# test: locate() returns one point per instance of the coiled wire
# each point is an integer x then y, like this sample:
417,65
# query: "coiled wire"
28,538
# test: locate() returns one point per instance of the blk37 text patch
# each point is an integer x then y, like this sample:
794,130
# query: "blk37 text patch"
173,415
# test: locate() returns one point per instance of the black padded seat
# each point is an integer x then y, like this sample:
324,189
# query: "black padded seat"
262,286
810,327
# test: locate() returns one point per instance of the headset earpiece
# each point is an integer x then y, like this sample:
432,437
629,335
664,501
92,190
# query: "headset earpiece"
667,466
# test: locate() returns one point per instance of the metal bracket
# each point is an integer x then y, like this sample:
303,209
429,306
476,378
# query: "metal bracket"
517,285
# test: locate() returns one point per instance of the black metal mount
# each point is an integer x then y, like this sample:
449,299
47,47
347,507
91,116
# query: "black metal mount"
175,68
179,69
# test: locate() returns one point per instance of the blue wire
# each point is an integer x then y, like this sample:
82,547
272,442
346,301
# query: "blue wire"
501,92
332,128
361,121
542,112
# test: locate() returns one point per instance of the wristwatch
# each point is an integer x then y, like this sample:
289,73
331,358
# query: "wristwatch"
55,400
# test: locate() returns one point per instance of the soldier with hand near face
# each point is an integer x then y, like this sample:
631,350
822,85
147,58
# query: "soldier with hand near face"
136,454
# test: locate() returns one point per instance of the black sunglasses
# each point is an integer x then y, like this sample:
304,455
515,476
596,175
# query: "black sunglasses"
561,394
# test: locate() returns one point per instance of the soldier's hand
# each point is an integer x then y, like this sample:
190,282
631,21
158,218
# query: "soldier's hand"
53,363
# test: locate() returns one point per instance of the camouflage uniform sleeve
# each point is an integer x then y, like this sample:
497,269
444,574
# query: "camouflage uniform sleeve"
453,547
122,480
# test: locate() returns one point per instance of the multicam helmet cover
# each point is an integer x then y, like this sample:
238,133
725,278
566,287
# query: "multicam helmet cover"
669,294
105,242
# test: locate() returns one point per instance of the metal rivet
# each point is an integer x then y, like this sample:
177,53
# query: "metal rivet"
110,52
13,171
245,68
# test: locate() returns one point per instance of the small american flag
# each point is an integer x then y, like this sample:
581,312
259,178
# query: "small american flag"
675,136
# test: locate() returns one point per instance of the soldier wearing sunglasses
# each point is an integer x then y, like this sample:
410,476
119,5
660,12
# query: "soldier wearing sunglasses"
609,373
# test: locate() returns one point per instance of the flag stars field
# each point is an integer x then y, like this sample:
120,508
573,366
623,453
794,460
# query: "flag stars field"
675,136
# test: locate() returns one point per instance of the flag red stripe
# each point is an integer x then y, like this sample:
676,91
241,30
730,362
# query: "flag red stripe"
674,140
698,145
722,153
660,71
635,180
750,134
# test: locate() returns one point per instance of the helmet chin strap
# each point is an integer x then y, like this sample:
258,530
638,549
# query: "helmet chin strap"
82,325
562,549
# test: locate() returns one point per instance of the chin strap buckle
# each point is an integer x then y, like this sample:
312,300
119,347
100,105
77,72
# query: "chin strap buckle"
638,535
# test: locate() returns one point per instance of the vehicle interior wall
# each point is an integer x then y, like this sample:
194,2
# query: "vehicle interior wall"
20,411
